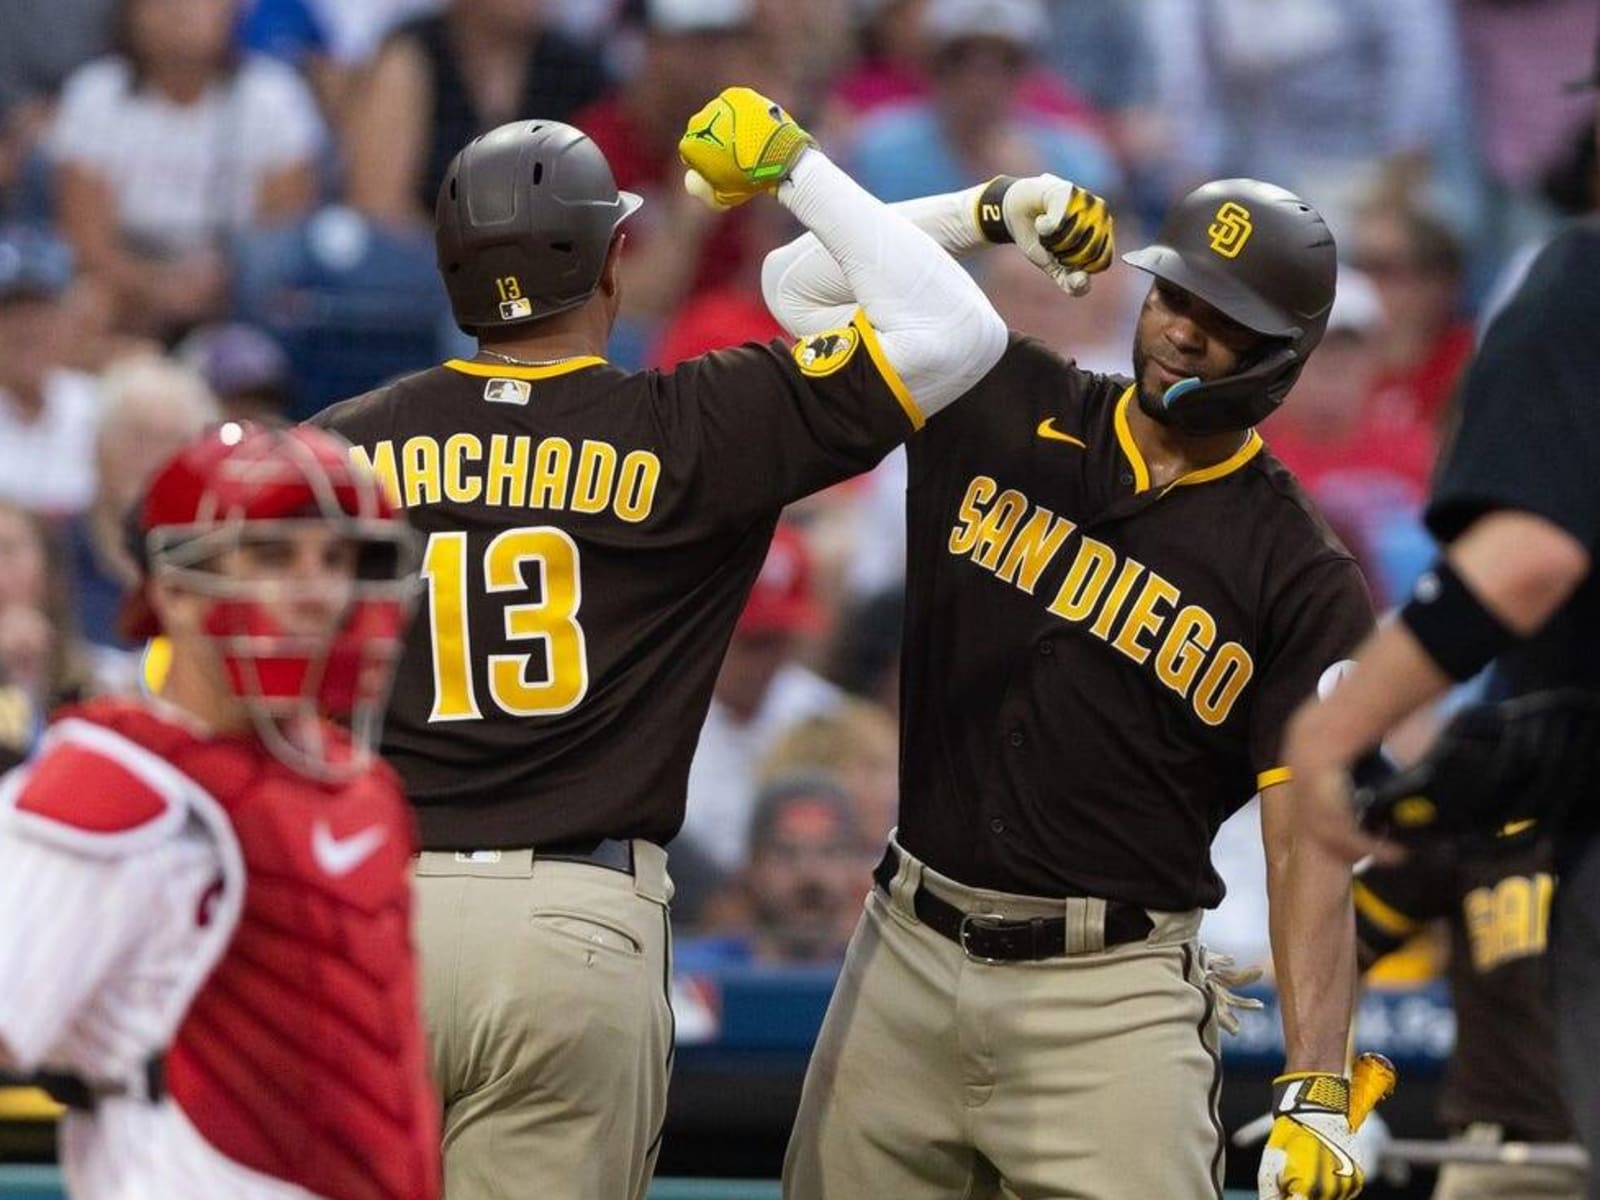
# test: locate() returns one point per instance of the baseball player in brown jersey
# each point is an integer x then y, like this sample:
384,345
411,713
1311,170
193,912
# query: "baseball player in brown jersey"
1115,598
1502,1084
591,535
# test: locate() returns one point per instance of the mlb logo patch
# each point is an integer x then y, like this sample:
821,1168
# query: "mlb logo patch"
507,391
515,310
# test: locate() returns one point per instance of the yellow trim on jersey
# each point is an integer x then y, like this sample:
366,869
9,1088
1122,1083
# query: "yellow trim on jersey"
1141,472
1252,447
869,339
1130,448
1273,777
1385,916
507,371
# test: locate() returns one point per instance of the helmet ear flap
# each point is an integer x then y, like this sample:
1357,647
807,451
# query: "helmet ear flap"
1237,401
1263,257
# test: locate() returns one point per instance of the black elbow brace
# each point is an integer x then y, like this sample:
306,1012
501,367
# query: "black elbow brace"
1451,623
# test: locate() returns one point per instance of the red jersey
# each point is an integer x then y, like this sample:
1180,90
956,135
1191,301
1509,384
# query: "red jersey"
286,1009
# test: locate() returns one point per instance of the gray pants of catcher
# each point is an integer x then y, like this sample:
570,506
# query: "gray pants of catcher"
1093,1076
544,990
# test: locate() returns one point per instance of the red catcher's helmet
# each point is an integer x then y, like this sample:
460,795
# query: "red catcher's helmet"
240,484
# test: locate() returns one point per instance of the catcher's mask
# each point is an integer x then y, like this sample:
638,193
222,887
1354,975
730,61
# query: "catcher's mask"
1263,257
229,497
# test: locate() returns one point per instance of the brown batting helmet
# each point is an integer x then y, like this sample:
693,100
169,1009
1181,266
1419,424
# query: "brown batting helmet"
1265,258
524,220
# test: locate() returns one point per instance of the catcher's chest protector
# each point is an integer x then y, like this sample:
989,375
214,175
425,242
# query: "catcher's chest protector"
301,1055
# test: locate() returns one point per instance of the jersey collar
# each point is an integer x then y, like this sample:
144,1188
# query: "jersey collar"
507,371
1141,472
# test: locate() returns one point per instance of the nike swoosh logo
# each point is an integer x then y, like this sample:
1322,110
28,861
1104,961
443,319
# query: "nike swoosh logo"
1346,1166
1047,429
340,856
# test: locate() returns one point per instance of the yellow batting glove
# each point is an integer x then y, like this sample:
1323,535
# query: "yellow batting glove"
738,145
1311,1153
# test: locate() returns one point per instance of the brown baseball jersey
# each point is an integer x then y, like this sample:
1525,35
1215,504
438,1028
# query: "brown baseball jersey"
1503,1069
591,537
1097,672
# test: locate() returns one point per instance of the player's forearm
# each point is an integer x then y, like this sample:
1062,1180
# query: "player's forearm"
935,326
1312,926
808,293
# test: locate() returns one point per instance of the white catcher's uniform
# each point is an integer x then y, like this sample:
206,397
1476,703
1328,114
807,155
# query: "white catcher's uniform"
124,890
102,934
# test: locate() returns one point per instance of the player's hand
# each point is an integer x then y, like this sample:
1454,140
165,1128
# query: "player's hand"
1313,1152
1063,229
1324,796
738,145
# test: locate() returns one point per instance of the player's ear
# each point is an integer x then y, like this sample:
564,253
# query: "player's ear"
611,273
179,610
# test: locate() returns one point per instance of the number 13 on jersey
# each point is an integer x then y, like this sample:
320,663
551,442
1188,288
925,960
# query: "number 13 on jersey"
552,621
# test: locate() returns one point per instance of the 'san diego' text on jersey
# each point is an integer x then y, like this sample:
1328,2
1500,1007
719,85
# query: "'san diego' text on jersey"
1006,534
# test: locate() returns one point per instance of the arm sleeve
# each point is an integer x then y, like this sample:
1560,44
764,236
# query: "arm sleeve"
807,292
936,329
1323,615
774,423
59,938
1529,432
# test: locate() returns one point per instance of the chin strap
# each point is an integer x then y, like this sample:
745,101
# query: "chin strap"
1237,401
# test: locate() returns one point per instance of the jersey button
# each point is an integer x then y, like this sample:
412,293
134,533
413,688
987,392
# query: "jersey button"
1047,648
997,826
1127,478
1016,737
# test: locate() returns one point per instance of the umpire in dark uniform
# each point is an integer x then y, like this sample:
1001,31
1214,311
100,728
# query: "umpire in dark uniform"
1516,505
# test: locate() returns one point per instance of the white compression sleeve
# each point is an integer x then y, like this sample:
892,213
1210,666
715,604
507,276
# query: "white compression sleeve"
807,292
935,325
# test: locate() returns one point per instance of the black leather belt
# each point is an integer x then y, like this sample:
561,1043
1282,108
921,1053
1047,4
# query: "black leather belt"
73,1091
614,854
1004,939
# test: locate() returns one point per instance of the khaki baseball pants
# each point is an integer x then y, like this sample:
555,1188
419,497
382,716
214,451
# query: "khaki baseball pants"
1091,1077
544,991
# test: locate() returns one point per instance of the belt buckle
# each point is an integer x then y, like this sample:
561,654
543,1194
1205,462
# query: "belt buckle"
991,920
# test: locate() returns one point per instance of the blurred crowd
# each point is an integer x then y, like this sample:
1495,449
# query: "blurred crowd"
222,208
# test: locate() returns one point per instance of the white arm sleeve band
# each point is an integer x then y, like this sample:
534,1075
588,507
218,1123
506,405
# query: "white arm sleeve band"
936,327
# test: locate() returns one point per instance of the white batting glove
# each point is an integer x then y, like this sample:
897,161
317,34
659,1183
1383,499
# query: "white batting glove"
1067,232
1221,976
